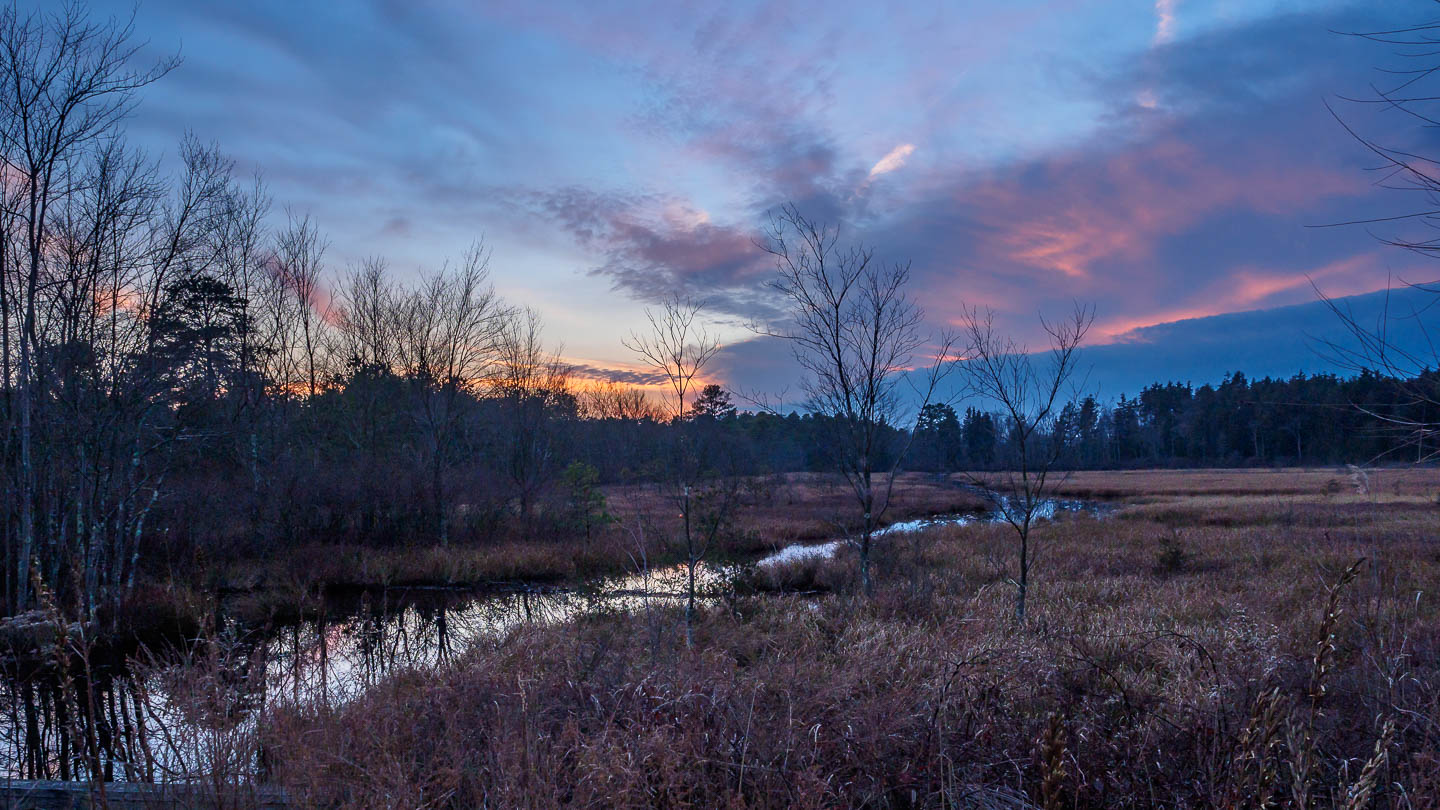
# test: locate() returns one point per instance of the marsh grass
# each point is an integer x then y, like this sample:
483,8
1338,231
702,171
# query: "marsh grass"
1268,669
774,511
1132,484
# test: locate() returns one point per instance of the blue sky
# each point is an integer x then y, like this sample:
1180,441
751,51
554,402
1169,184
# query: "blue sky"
1159,160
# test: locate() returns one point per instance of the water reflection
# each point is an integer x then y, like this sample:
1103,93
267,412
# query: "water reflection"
1045,510
177,722
199,718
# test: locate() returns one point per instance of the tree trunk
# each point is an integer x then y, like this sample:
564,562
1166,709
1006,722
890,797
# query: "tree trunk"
1024,583
690,558
867,583
25,397
438,496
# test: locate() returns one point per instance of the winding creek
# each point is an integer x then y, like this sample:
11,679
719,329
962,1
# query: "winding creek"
163,723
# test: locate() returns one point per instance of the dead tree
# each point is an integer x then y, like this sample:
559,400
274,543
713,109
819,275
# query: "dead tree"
678,347
1399,344
870,365
1030,391
364,322
240,254
607,399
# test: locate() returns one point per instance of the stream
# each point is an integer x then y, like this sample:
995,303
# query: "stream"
177,723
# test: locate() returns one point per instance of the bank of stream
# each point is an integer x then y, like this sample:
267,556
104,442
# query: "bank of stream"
170,720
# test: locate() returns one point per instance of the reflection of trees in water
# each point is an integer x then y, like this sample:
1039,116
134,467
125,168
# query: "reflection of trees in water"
196,713
52,720
334,659
139,723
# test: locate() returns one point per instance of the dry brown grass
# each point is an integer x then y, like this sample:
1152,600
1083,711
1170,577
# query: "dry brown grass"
797,507
357,566
1131,484
772,512
1192,684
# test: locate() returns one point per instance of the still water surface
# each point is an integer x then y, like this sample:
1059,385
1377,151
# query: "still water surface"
165,723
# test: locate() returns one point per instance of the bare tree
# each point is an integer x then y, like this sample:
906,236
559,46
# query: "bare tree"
1030,391
678,347
240,237
859,338
1399,344
99,392
532,386
65,84
446,334
299,257
611,400
185,241
365,318
240,241
278,330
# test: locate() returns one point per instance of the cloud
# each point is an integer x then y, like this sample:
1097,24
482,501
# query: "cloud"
1192,209
625,376
1165,20
1192,201
1249,288
894,159
652,246
1276,342
1197,207
761,368
1154,174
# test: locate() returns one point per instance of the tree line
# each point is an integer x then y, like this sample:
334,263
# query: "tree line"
1303,420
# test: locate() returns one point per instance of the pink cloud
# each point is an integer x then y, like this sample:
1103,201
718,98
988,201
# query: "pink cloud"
894,159
1085,213
1165,20
1250,288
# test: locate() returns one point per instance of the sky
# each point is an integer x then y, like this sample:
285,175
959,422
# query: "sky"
1166,162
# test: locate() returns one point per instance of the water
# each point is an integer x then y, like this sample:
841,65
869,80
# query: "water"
1047,510
181,722
175,723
